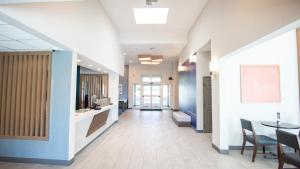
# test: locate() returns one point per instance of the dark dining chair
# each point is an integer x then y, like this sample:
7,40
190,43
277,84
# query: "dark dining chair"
256,140
289,140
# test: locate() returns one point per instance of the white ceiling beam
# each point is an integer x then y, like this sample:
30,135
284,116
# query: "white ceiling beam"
153,38
32,1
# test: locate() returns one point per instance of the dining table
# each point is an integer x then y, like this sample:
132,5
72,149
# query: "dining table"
279,125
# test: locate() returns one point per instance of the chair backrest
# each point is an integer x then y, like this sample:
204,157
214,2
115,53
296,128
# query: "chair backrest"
288,139
247,125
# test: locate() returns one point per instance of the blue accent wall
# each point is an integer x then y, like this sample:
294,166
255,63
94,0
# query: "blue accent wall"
57,148
187,91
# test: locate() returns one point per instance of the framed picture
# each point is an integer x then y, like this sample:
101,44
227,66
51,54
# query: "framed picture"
260,83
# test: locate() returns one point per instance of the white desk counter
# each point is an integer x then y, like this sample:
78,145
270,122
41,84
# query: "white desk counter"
85,132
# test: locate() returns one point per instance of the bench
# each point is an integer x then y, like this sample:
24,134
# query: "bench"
181,119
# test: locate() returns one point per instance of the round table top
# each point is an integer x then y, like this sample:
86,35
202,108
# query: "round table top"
280,125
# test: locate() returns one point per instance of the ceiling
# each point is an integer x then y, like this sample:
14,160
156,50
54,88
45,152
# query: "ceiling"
15,39
168,39
30,1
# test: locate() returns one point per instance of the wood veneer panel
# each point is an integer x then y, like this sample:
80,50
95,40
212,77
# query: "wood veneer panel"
98,121
4,90
1,81
8,96
25,80
94,87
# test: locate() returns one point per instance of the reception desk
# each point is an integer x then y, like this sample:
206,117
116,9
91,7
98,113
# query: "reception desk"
89,124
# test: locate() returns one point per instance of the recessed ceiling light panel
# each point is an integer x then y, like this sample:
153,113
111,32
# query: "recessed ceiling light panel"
151,15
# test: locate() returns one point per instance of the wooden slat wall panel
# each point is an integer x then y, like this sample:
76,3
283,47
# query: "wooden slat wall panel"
25,81
95,84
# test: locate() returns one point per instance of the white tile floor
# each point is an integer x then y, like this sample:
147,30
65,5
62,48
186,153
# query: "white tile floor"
150,140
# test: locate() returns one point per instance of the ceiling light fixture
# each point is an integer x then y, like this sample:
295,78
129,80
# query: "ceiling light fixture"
90,65
156,60
151,15
150,2
150,59
78,60
144,59
150,63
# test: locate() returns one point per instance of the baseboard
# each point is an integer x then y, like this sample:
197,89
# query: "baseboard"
37,161
197,131
151,109
240,147
220,150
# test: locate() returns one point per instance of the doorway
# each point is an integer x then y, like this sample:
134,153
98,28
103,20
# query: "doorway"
207,104
151,96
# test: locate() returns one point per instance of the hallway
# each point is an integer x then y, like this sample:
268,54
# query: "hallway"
150,140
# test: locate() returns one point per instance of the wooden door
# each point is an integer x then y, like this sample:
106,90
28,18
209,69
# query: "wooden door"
207,104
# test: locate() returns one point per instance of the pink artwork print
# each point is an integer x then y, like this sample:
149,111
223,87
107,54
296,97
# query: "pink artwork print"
260,83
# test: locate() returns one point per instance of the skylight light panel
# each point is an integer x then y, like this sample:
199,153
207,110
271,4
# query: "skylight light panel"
151,15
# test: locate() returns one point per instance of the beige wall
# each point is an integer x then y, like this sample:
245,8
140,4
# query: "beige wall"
81,26
175,89
298,50
202,69
165,70
230,25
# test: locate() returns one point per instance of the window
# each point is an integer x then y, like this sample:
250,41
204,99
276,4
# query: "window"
137,95
166,95
151,79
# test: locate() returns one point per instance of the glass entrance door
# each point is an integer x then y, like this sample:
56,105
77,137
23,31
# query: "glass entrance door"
151,97
155,97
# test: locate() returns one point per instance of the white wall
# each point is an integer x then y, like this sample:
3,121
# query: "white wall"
175,85
137,70
230,25
82,26
280,51
202,69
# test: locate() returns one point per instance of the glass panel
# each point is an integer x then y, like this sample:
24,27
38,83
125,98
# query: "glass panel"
156,79
146,79
155,101
155,90
137,95
166,95
147,90
147,101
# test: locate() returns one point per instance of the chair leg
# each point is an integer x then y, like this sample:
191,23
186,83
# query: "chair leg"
264,149
254,153
243,146
280,166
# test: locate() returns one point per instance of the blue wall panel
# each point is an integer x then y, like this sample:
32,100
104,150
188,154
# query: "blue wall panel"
187,91
57,148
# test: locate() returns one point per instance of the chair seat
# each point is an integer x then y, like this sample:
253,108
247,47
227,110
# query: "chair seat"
292,158
262,140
